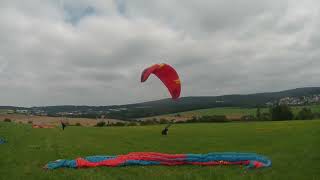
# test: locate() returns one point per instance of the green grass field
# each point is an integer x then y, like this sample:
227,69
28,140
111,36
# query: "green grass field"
224,111
293,147
242,111
5,111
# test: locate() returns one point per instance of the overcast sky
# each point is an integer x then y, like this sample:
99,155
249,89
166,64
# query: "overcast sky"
83,52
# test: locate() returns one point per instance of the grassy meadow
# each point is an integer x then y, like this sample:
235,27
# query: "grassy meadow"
293,147
242,111
229,112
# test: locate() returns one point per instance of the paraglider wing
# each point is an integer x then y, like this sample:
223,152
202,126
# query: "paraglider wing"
167,75
249,160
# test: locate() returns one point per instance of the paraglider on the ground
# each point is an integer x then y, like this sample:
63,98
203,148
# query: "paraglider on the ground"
250,160
167,74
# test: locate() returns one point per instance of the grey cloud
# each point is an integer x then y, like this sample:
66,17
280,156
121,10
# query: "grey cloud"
218,47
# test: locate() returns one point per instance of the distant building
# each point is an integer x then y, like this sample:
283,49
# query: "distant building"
9,111
313,99
22,111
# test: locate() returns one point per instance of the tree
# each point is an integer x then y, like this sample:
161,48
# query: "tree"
213,118
119,124
266,116
7,120
281,112
132,124
316,115
177,115
163,121
100,124
248,118
305,113
258,113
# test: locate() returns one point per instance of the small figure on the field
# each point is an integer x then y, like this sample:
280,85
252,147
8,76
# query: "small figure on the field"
63,125
165,130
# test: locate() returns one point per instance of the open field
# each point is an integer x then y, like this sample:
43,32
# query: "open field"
45,120
230,112
292,146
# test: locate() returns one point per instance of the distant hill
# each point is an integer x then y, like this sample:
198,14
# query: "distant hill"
165,106
191,103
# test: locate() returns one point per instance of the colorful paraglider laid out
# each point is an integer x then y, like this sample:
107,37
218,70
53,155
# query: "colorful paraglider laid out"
250,160
168,75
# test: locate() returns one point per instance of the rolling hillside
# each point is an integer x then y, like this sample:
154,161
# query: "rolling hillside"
167,106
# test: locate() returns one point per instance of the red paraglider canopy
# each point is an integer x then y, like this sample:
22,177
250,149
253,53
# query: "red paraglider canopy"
167,75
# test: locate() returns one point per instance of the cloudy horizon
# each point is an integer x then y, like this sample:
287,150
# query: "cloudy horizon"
90,52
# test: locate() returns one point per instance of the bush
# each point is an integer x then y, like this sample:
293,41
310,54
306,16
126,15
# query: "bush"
100,124
265,116
148,122
281,112
78,124
164,121
305,113
249,118
316,115
108,123
180,122
193,120
214,118
258,113
132,124
29,122
7,120
119,124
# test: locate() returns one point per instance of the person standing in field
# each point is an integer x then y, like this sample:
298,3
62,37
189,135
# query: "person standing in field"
63,125
165,130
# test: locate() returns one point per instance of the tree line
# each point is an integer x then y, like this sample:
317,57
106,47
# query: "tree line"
284,112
